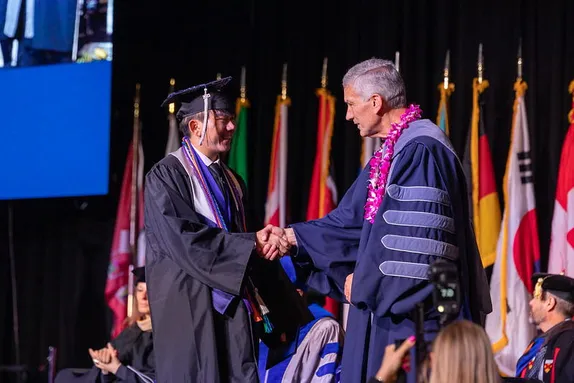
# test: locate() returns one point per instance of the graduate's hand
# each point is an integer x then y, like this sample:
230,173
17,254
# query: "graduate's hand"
348,284
394,359
271,242
113,365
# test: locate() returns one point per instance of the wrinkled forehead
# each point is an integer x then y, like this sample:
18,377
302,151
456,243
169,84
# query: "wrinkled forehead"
350,94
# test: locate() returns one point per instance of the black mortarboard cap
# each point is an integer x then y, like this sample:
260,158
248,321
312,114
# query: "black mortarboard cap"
139,275
556,284
192,99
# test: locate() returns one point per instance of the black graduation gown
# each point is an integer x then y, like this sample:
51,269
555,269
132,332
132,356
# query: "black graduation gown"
186,259
135,349
554,362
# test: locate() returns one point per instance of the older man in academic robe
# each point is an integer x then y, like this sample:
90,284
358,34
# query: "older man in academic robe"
407,209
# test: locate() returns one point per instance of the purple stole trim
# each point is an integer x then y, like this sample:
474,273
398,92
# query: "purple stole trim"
221,299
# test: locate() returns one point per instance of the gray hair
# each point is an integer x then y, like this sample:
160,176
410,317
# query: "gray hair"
564,307
377,76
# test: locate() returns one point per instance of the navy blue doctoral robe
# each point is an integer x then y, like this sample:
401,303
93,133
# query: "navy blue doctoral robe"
424,217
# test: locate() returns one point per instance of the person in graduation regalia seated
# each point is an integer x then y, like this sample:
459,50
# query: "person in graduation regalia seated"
550,356
130,356
407,209
212,288
315,356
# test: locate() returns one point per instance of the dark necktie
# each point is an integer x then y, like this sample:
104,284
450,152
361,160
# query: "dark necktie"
217,173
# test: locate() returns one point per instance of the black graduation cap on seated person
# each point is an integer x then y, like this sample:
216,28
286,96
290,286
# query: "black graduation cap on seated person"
556,284
139,275
201,98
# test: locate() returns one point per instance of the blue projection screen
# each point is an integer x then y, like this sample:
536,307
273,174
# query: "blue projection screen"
55,99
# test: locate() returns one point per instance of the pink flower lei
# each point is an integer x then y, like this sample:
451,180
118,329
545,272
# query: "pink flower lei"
381,164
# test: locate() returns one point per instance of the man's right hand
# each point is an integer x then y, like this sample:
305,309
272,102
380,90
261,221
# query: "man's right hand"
271,242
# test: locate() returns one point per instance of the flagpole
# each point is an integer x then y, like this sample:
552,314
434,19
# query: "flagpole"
283,152
171,107
446,70
519,62
324,73
480,63
243,86
134,219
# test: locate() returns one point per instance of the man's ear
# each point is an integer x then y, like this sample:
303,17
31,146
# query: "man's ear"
551,302
194,127
377,103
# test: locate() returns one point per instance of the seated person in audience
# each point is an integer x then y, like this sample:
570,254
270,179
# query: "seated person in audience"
317,353
460,353
550,356
133,347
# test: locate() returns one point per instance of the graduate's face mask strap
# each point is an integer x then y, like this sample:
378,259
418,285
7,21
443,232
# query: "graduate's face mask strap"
206,100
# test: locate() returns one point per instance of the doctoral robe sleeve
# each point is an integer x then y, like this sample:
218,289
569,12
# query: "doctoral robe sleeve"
563,355
124,342
123,374
414,227
327,247
213,256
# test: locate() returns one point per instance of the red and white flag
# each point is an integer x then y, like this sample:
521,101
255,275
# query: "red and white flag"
517,253
117,285
276,205
561,257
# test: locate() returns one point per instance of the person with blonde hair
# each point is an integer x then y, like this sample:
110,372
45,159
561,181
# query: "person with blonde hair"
460,353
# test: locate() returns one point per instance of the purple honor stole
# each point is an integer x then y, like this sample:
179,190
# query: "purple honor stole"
214,203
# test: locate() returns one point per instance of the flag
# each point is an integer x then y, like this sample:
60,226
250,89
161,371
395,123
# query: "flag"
482,184
118,282
238,153
276,205
561,256
517,254
323,193
443,108
173,141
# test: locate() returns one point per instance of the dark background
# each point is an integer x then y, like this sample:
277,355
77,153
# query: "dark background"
62,245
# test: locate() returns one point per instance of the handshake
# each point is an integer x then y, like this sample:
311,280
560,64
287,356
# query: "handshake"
274,242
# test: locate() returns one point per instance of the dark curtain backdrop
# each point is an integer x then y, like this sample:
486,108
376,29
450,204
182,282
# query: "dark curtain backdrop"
62,245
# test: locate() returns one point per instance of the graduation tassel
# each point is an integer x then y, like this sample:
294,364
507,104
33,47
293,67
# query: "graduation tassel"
264,311
206,114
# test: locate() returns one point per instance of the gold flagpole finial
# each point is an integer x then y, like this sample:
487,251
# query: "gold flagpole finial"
284,83
446,69
520,61
218,76
324,73
480,63
171,106
243,85
397,61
